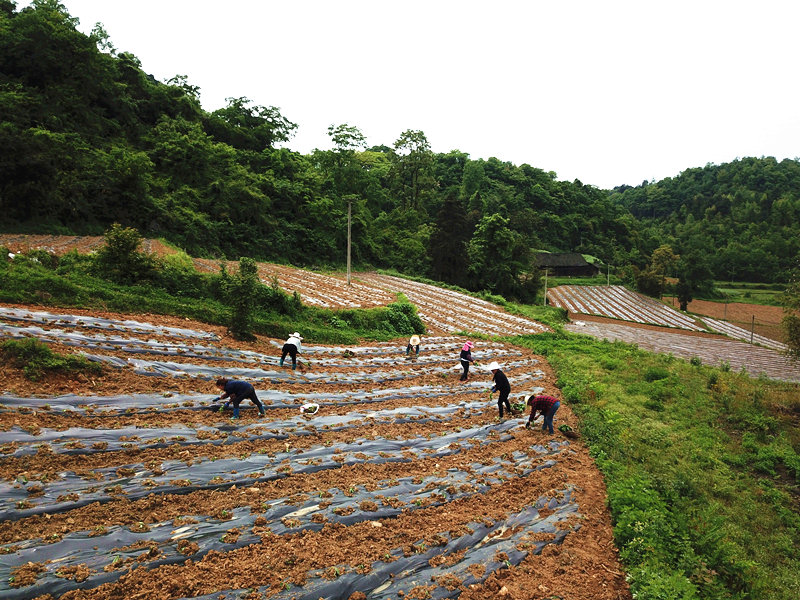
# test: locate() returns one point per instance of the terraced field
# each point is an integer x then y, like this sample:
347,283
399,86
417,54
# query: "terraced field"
403,484
449,311
660,328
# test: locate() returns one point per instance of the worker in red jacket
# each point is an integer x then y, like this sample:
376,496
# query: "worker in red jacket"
547,406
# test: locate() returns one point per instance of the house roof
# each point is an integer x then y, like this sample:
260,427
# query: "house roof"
563,259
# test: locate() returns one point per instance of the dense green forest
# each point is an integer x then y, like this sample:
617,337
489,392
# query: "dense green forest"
744,215
88,139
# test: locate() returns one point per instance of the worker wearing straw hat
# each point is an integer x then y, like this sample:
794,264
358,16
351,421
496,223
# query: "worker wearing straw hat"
502,385
413,343
292,347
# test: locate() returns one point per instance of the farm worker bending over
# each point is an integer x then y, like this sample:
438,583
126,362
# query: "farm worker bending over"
413,343
546,405
292,347
500,384
237,391
466,358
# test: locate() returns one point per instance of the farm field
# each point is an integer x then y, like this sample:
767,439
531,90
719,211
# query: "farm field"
619,303
712,350
367,290
61,244
767,318
402,485
315,289
614,313
445,310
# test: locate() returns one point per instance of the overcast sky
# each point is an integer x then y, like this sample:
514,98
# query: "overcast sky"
608,92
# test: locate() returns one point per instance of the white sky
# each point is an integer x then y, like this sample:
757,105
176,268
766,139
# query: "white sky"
609,92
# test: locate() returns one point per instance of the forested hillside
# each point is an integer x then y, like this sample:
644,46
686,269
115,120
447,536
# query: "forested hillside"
88,139
744,216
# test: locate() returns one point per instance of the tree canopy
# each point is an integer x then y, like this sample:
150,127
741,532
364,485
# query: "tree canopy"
89,139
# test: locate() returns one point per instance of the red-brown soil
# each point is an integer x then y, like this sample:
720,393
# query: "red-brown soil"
584,566
767,318
61,244
712,349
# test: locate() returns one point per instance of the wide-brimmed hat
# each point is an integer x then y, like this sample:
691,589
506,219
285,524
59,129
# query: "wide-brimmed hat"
493,365
414,340
297,335
467,346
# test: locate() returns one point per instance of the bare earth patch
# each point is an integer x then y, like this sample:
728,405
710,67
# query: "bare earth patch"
342,481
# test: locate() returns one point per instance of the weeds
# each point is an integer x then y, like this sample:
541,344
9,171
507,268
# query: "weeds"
700,485
36,360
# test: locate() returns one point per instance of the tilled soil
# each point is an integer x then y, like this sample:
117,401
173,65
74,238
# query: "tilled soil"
403,485
711,349
763,320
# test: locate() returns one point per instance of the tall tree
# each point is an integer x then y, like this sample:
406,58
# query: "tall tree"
662,263
448,243
413,168
249,127
497,257
347,140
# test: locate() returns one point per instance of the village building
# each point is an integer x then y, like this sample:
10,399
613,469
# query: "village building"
566,264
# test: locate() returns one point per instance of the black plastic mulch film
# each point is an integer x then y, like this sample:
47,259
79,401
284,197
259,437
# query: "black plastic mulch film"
122,545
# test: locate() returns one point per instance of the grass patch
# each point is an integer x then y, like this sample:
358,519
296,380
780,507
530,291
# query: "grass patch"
701,466
37,360
768,294
177,289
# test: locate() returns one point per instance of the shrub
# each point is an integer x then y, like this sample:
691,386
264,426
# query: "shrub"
656,581
176,274
121,260
713,379
338,323
36,359
242,299
655,373
49,260
402,318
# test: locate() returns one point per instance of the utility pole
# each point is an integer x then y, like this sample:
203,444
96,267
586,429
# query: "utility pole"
725,313
349,211
544,300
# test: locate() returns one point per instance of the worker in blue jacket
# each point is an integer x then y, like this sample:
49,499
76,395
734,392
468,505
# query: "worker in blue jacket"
237,391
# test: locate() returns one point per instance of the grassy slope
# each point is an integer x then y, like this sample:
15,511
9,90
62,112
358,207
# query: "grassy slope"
701,464
701,467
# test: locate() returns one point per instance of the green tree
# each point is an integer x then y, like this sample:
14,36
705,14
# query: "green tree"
448,243
694,278
242,296
683,290
413,168
121,258
248,127
662,263
347,140
497,257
